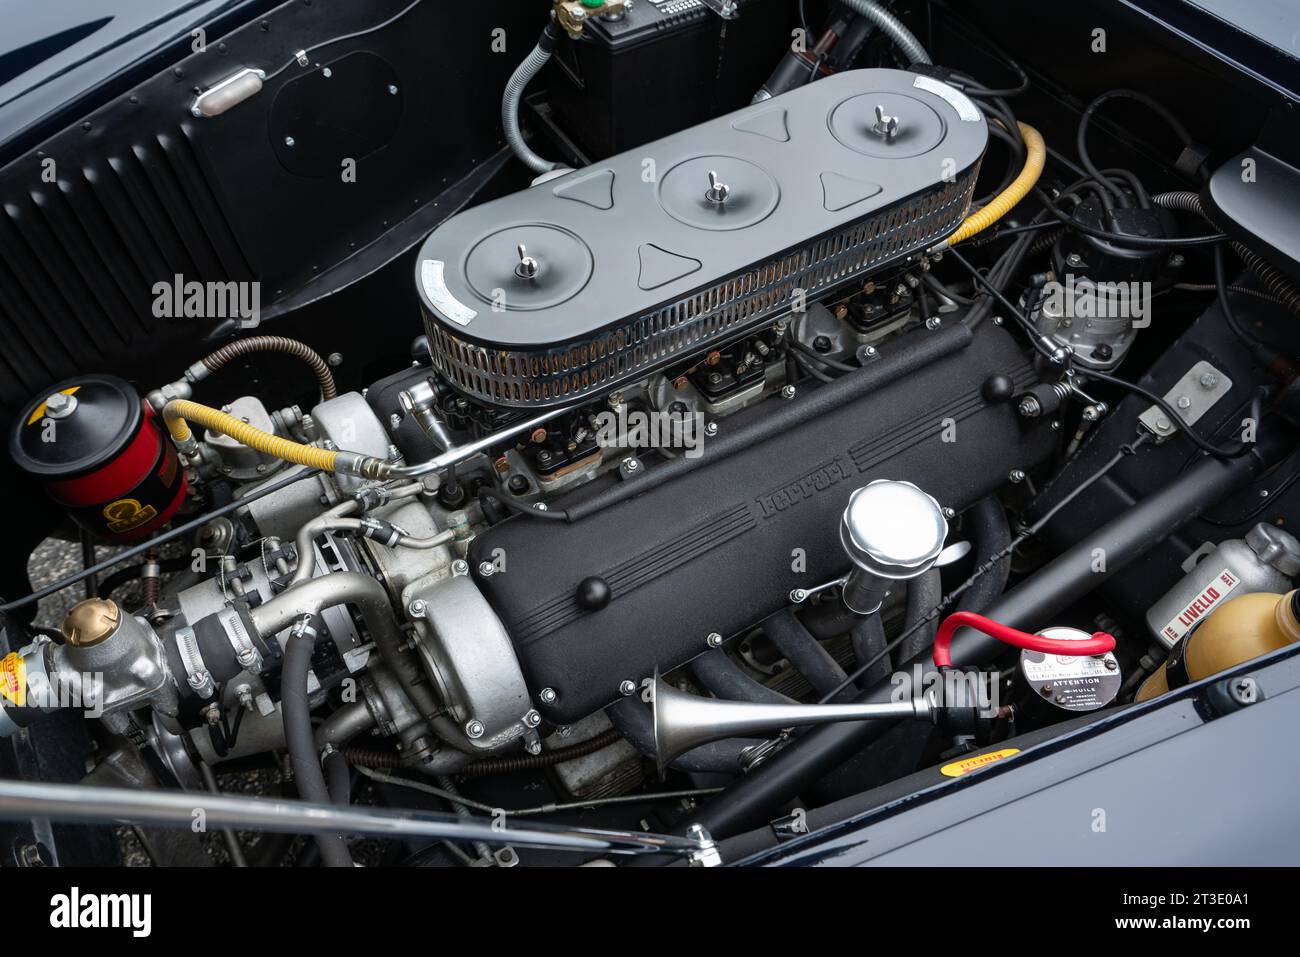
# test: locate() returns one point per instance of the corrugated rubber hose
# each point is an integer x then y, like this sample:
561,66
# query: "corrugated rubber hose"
299,350
180,412
1036,156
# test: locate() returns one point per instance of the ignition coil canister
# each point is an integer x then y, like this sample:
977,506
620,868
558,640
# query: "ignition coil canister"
98,449
1265,560
1056,686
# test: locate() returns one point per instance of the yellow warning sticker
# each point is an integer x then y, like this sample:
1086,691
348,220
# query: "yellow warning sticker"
966,765
39,412
13,679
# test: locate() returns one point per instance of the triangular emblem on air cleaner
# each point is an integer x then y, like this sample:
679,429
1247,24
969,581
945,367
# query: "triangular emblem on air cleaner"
658,266
770,123
595,189
840,192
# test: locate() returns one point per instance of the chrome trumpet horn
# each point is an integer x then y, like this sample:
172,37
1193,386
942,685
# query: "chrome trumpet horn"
683,721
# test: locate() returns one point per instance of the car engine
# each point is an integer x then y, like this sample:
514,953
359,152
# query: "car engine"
673,441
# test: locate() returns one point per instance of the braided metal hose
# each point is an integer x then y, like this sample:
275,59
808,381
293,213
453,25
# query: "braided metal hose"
1278,286
299,350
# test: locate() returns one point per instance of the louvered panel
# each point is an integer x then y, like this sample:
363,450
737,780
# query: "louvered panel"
134,236
22,237
28,356
78,261
88,253
203,202
175,203
61,262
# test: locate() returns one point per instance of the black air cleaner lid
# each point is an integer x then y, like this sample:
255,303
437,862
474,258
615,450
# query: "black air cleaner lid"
104,421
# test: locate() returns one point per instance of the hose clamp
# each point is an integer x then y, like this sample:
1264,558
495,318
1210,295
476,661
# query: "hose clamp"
246,651
197,675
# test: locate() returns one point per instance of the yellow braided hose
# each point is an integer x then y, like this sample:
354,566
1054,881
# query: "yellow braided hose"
1036,156
179,413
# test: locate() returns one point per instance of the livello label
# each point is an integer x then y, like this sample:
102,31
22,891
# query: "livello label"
966,765
1200,606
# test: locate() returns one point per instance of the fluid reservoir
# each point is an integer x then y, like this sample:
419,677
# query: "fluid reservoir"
1264,560
99,450
1239,630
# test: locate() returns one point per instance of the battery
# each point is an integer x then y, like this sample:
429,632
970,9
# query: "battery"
99,451
663,66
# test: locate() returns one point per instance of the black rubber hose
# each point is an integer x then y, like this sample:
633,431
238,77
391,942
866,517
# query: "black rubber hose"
991,533
723,677
868,637
338,777
301,742
633,720
923,593
804,652
750,800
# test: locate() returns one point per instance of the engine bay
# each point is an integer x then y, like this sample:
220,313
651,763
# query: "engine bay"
772,418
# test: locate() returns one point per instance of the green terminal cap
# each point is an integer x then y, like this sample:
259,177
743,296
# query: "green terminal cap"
593,3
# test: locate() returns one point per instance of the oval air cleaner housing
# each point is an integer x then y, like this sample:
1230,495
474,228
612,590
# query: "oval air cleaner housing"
608,273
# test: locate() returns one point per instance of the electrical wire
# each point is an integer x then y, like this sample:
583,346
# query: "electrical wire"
346,36
1256,410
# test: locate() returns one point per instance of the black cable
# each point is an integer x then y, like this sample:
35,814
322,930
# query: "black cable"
828,362
347,36
527,508
192,525
1034,338
1081,136
1119,239
1256,410
802,361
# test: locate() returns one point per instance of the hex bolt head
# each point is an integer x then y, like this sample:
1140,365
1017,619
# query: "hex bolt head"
630,464
474,728
1016,476
1209,380
487,569
714,640
711,428
460,567
533,747
417,608
934,322
548,696
532,719
787,392
1184,402
627,687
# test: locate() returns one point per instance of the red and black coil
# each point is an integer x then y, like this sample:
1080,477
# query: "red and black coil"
101,452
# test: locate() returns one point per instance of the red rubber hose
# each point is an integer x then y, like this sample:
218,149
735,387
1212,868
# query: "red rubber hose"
1098,644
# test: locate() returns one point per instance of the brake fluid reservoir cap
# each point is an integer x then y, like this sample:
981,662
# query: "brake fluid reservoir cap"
893,529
